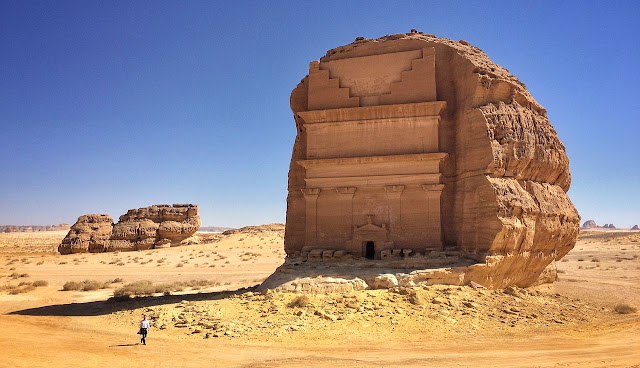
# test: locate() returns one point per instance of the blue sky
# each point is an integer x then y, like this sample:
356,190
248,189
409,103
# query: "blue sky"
106,106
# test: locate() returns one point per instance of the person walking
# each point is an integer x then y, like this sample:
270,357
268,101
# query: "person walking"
144,326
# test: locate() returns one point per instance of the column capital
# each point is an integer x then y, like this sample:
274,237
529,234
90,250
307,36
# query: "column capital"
394,188
346,192
433,187
394,191
310,192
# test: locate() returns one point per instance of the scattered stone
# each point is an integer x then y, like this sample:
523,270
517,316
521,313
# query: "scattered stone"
385,281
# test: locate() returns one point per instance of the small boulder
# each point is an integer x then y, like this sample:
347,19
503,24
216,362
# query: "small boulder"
385,281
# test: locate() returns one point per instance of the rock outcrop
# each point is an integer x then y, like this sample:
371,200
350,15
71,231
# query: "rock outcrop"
635,227
589,224
498,187
139,229
90,233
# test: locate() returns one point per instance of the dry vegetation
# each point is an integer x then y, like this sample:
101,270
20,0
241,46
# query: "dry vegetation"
88,285
146,288
625,309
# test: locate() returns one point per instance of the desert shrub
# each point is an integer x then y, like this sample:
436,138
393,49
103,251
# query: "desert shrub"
24,283
86,285
39,283
90,285
71,285
116,280
25,289
624,309
180,265
136,288
299,301
595,260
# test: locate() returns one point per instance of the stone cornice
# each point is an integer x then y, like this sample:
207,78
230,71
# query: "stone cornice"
372,159
374,112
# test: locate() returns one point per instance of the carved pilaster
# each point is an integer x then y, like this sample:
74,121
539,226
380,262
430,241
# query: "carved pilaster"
311,215
394,192
433,192
345,195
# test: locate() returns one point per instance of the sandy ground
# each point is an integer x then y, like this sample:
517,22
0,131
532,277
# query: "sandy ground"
571,324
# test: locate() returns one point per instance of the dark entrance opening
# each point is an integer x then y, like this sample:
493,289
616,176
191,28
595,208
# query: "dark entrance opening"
370,250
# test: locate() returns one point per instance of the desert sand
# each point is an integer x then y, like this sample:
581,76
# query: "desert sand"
226,323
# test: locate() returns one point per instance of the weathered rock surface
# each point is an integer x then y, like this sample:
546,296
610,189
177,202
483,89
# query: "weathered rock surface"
589,224
503,179
90,233
635,227
138,229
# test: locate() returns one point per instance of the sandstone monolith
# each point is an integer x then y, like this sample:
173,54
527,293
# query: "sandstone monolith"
590,224
412,146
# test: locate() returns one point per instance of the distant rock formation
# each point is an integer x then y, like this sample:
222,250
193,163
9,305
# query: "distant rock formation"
635,227
255,229
89,234
215,229
144,228
589,224
33,228
609,226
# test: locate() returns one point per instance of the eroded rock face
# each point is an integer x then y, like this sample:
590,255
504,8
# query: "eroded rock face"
416,143
138,229
90,233
590,224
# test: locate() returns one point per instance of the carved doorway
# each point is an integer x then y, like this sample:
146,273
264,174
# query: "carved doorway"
370,250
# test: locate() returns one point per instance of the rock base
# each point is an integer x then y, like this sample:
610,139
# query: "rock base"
339,276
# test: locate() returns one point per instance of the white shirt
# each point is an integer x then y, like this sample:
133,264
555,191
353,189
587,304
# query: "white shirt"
144,323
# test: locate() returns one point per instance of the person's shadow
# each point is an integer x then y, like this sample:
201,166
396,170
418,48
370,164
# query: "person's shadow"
115,346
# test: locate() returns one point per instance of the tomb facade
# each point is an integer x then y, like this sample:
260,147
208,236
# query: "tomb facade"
411,145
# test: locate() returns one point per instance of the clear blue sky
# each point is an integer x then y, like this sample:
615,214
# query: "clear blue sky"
106,106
